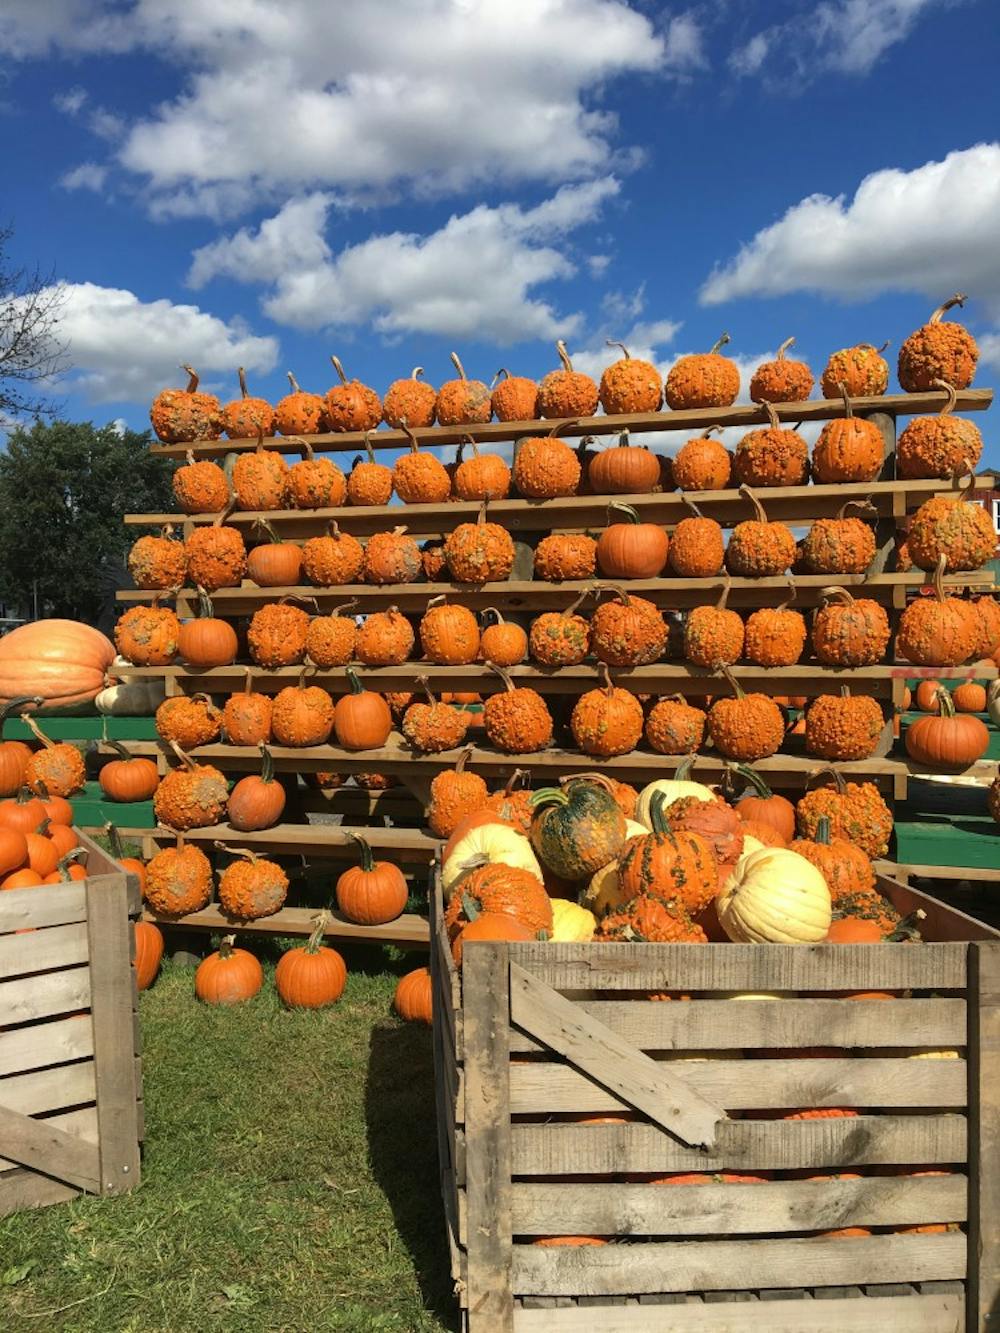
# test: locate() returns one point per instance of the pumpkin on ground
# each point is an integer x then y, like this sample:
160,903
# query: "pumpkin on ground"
950,740
411,400
606,721
781,380
373,893
414,997
252,887
148,953
703,380
517,719
179,416
299,412
775,896
567,392
674,866
311,975
228,976
577,828
939,350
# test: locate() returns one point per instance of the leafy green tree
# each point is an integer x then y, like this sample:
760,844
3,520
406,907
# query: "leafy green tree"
64,489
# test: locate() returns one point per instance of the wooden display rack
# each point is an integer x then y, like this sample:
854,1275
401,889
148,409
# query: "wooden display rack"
71,1114
530,1037
528,520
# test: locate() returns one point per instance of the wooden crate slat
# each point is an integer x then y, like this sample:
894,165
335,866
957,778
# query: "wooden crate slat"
728,1265
408,930
537,1088
44,1044
42,1146
49,1089
692,419
726,1209
41,997
82,1123
984,1136
751,1145
769,1024
324,839
60,946
736,967
23,909
27,1189
902,1314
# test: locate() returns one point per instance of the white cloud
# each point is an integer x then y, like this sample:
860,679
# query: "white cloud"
71,101
87,176
474,277
837,36
122,349
932,230
435,95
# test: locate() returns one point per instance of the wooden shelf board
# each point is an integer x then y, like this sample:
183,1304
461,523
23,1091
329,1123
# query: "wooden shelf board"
536,595
407,931
396,757
316,839
814,409
791,504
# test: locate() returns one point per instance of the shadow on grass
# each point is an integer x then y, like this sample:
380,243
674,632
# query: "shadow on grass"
402,1145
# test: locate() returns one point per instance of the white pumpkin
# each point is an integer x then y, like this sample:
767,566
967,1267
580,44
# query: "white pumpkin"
604,892
571,924
673,790
489,844
751,995
131,698
932,1053
774,896
751,844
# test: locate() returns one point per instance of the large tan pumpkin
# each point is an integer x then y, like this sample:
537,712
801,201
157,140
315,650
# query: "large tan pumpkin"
62,661
774,897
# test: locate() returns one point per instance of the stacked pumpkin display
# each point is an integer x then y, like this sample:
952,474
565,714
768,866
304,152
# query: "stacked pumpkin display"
607,624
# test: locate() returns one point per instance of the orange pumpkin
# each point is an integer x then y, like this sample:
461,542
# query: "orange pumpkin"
414,997
374,892
61,662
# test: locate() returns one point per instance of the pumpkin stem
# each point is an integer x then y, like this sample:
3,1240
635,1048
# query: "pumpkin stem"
836,594
567,364
185,759
835,773
862,506
354,682
221,517
548,796
939,576
617,589
848,412
36,731
577,602
339,369
120,749
726,586
952,395
823,830
737,688
599,779
789,342
772,416
631,516
425,684
684,768
262,525
368,449
959,298
293,382
416,372
481,516
242,376
345,606
492,610
404,426
945,702
226,946
517,775
793,592
970,485
75,854
18,702
503,371
266,764
247,853
206,611
463,759
248,681
758,508
908,928
192,384
560,426
657,815
467,440
469,906
367,860
608,683
322,920
115,839
755,780
610,342
887,343
686,500
504,676
721,343
458,365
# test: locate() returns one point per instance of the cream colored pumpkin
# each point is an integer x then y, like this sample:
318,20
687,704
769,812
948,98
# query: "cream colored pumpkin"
604,892
489,844
930,1053
673,790
571,924
774,896
131,698
751,995
751,844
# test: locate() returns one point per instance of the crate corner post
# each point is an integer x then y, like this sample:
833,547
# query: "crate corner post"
983,1290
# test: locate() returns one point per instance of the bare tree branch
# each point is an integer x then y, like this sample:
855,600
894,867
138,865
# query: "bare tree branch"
31,353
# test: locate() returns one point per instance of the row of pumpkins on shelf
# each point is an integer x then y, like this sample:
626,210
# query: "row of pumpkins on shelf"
676,862
545,467
946,530
623,630
939,350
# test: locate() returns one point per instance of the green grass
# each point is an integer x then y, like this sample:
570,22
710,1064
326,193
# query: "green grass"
289,1179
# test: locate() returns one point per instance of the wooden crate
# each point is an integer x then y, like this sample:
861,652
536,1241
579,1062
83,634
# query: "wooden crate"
70,1076
532,1036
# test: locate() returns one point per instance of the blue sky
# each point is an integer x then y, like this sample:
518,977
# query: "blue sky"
290,178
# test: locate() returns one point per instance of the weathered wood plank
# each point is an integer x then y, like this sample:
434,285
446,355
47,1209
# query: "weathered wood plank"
766,1025
620,1209
24,909
752,1145
715,1265
46,1044
668,1098
941,921
112,983
39,997
905,1314
742,1085
82,1123
40,1145
49,1089
815,409
984,1137
42,950
407,931
735,967
27,1189
486,972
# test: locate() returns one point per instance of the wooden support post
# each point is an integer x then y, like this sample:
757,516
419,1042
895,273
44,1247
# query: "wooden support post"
486,986
983,1287
112,994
